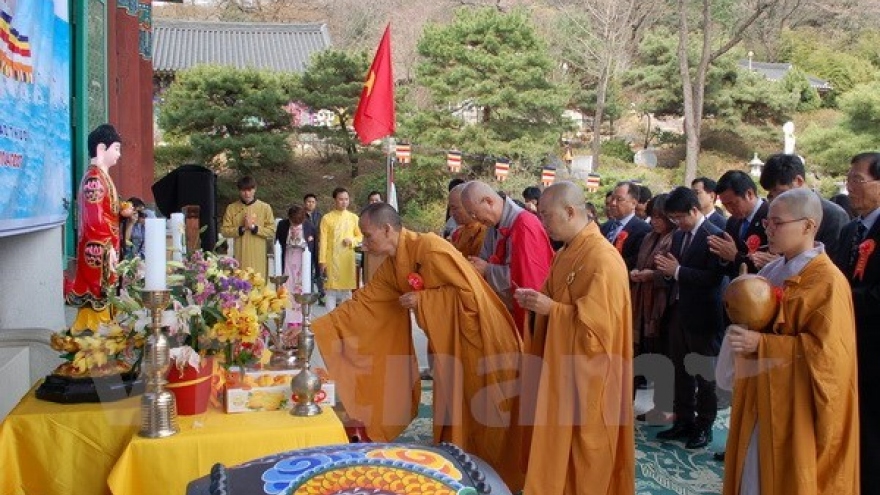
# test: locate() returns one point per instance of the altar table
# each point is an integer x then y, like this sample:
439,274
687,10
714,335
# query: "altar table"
48,448
150,466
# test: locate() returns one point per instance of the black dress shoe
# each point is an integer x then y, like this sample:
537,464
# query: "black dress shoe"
678,430
719,456
700,438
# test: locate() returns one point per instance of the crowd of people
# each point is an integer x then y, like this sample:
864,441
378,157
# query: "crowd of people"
543,323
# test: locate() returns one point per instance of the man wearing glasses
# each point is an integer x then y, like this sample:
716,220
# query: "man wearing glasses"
860,263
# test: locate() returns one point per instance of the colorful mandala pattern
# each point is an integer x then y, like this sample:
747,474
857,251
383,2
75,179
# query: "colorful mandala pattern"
366,469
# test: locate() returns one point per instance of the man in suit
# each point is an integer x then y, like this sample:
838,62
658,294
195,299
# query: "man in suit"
704,188
623,229
859,260
695,318
313,216
744,240
783,172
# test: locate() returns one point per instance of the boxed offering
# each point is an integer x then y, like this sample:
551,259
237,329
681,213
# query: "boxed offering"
269,390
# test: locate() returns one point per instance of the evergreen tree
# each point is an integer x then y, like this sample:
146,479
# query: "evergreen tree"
333,82
486,83
230,115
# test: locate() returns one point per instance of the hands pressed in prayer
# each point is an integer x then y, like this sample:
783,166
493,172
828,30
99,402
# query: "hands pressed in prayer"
249,220
346,242
479,264
724,248
666,264
742,340
410,300
762,258
533,300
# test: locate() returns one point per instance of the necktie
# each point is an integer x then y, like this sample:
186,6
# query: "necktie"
612,230
685,244
861,230
744,228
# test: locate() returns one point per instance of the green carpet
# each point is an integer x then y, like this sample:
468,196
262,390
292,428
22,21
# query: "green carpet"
662,468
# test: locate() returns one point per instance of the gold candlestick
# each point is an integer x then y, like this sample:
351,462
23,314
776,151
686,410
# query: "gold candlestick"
283,357
306,384
158,410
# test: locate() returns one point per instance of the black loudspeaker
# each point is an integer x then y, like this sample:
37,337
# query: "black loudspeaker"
190,185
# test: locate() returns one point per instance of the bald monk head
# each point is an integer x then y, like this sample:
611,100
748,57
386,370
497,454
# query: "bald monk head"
482,203
793,221
380,225
456,209
563,211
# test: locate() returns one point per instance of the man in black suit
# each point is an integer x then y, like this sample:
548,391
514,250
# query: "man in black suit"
704,188
783,172
859,260
623,228
313,216
695,318
744,240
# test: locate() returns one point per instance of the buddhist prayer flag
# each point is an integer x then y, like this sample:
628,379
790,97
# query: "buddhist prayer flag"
15,51
593,182
502,168
548,175
374,118
404,153
453,161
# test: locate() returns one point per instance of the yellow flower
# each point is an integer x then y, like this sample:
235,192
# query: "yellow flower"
92,354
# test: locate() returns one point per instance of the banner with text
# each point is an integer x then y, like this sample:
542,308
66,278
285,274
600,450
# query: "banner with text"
35,140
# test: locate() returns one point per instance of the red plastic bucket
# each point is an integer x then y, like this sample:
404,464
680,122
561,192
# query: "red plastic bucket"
191,387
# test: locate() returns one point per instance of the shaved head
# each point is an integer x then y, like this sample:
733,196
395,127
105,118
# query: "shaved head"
801,203
482,203
563,211
566,194
456,209
476,190
380,214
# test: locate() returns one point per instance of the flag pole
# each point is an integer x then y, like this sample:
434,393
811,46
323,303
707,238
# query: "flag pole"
390,189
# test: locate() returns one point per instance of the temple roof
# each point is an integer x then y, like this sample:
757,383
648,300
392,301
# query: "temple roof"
179,45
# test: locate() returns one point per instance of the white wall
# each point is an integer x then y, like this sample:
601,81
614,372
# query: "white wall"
31,309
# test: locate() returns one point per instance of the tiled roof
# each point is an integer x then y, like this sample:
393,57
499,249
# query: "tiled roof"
179,45
776,71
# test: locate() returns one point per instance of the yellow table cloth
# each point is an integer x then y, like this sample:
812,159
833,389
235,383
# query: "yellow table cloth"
151,466
48,448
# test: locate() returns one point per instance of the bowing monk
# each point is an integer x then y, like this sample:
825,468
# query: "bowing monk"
367,346
794,426
468,237
582,439
516,251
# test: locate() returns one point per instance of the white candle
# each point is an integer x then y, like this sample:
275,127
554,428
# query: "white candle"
306,271
154,252
177,236
277,251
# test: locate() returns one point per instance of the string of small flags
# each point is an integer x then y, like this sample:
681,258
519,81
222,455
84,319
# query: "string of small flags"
454,159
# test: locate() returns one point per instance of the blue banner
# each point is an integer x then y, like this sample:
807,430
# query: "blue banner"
35,140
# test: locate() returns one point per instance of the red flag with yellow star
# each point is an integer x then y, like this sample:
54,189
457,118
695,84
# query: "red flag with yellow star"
374,118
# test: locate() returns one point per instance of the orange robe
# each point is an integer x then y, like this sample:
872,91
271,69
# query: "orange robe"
468,239
804,398
582,439
367,346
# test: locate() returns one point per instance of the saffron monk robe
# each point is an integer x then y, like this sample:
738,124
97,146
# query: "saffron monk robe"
581,440
468,237
367,346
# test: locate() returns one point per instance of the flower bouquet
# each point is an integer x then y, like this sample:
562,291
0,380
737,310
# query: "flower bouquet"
218,311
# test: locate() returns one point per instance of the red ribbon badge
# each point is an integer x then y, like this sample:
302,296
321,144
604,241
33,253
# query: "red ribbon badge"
753,243
866,248
778,293
621,238
415,281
